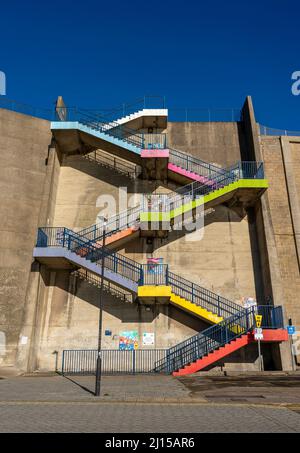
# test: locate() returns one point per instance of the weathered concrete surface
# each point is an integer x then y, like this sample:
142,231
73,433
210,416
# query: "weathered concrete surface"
24,145
57,311
219,143
281,156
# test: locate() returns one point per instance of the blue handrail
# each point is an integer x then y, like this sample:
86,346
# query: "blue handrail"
189,192
115,223
109,127
214,337
63,237
202,297
143,274
193,164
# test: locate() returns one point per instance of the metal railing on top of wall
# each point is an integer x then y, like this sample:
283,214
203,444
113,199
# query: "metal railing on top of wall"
264,130
204,115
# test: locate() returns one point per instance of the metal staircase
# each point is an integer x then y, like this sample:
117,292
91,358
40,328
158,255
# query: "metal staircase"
240,175
194,167
170,203
129,274
218,341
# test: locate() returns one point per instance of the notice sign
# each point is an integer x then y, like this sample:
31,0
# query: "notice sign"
258,320
258,334
148,339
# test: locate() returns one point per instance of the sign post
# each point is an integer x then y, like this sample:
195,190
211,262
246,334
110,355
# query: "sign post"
291,330
258,335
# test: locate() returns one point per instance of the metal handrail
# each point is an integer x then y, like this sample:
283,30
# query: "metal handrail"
207,341
110,127
189,192
82,246
95,280
193,164
130,107
106,160
202,297
100,123
118,222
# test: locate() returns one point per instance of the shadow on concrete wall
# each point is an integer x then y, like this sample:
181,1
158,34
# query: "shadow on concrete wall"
222,214
126,312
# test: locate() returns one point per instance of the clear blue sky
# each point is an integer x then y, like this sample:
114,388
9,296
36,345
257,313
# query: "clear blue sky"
198,54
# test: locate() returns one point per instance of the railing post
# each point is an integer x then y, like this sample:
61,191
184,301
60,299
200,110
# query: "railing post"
133,361
167,275
64,232
141,276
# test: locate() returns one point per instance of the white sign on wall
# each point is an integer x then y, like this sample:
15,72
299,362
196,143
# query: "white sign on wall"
148,339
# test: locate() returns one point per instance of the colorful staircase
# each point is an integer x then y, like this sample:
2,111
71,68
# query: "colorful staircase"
245,179
191,168
218,341
59,246
210,185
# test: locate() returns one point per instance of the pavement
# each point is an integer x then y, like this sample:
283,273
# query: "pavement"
147,403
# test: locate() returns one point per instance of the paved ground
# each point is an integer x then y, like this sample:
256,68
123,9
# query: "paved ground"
266,389
151,404
114,388
147,417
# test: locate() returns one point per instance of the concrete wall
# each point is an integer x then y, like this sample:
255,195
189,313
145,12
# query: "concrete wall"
24,145
220,143
55,310
221,261
281,156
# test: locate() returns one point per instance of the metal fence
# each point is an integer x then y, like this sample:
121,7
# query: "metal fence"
203,115
83,361
9,104
264,130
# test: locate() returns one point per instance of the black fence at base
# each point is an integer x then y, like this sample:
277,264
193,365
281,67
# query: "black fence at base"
83,361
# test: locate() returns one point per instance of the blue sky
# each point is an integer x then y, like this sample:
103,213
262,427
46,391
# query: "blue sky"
98,54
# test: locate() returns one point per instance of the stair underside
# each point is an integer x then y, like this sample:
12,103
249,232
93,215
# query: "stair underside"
245,190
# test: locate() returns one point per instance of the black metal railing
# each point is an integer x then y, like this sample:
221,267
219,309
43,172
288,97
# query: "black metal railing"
83,361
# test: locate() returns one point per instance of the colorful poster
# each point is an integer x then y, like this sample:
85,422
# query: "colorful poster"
155,265
148,339
128,341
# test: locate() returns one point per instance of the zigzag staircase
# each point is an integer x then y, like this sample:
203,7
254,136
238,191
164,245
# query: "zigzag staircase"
79,251
165,208
84,251
232,323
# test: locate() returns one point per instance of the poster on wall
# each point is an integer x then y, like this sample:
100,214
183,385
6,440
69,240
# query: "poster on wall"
148,339
128,341
155,265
